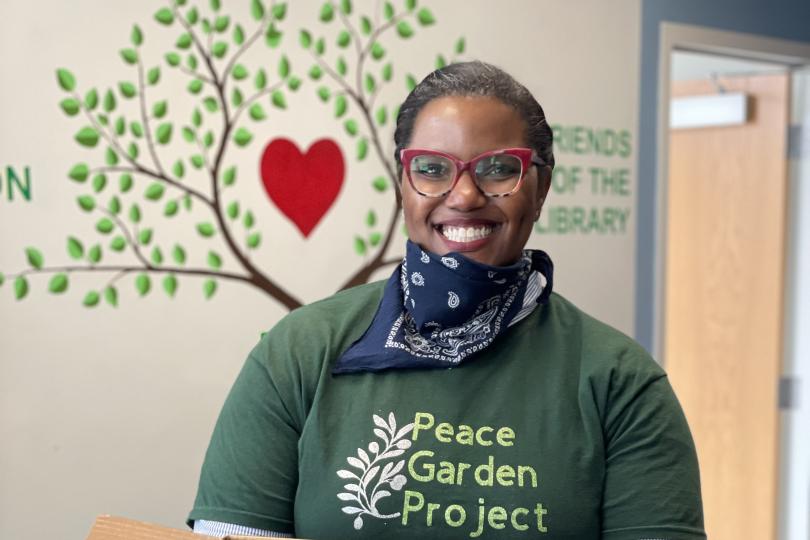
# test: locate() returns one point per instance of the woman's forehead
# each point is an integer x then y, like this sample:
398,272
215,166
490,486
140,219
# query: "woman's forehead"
468,125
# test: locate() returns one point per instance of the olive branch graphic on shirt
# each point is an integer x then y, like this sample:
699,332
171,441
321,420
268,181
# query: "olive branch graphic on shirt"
368,464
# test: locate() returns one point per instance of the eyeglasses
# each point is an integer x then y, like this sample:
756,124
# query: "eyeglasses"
498,173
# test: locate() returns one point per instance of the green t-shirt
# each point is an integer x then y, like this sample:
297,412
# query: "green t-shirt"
562,428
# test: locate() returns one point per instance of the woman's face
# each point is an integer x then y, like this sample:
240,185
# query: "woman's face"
467,127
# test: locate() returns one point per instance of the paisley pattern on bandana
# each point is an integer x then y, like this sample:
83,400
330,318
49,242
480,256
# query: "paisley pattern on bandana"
438,315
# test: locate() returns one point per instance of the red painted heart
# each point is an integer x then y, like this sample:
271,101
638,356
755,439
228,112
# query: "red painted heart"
303,186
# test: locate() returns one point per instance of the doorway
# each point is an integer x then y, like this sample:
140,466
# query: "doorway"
727,264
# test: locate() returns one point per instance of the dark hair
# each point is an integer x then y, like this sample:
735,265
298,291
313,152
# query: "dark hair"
475,79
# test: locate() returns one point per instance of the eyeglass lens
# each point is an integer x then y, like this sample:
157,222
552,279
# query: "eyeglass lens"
434,174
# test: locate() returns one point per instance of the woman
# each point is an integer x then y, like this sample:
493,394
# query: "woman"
550,424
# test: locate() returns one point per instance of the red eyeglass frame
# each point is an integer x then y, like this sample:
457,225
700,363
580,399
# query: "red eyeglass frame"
526,155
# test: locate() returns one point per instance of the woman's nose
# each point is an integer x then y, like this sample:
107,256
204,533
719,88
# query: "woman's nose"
465,195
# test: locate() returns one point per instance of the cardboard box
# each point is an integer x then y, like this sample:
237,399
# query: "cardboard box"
118,528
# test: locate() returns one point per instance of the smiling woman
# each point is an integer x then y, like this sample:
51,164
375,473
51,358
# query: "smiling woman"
319,436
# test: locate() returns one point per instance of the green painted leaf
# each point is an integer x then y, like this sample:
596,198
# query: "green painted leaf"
248,221
87,136
170,285
70,106
341,66
305,38
104,226
239,72
187,202
2,279
253,240
214,260
153,75
91,99
127,89
111,296
118,244
208,139
79,172
94,254
178,169
284,67
66,79
273,36
229,176
159,109
86,203
260,80
425,17
110,157
171,208
196,118
410,82
343,39
197,161
99,182
374,239
125,183
460,45
233,210
257,9
221,23
315,73
188,134
280,11
143,284
327,12
215,4
365,25
155,191
236,97
278,99
195,86
91,299
144,237
238,35
58,284
381,115
346,7
206,229
371,218
109,101
340,105
387,72
120,126
324,93
115,205
380,184
34,257
20,288
351,127
293,83
388,10
219,49
320,46
173,59
360,245
132,151
404,29
440,61
156,256
179,254
193,16
164,133
370,83
362,149
410,5
129,56
209,288
164,16
136,129
242,137
377,51
136,36
183,42
135,213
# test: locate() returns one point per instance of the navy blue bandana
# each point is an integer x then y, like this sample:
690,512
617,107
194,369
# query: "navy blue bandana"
437,311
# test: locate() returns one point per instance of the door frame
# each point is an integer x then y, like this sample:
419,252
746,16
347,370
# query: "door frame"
672,37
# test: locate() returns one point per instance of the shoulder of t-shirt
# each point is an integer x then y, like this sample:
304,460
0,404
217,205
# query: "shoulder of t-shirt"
602,347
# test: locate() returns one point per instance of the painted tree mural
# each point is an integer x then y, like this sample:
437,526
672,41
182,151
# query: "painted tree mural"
151,153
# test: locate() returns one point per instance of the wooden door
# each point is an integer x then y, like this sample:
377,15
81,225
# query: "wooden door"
726,215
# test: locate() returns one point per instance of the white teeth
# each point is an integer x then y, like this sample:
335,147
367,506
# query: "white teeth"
465,234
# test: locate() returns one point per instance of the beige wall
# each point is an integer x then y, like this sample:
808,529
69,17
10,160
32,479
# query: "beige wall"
109,410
